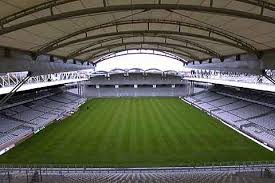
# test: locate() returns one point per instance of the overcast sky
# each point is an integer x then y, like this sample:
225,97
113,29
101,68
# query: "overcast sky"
143,61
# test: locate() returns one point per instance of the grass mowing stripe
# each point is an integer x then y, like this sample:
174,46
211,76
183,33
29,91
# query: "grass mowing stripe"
121,131
102,124
190,132
145,141
132,129
167,134
139,129
154,128
178,123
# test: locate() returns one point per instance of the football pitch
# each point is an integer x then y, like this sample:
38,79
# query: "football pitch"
136,132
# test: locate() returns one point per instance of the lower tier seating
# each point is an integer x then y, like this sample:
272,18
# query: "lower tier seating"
23,120
244,115
261,135
14,137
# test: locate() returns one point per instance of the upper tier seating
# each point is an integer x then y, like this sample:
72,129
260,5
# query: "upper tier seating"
39,107
59,98
134,92
206,106
25,98
135,78
211,98
236,105
8,124
8,112
226,116
19,108
27,115
53,104
203,95
258,97
251,111
223,101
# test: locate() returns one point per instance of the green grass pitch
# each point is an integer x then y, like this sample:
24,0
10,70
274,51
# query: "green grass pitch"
136,132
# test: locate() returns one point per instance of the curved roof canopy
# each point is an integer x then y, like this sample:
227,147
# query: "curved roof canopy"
90,30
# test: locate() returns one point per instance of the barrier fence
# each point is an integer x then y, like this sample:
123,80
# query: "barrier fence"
234,165
60,173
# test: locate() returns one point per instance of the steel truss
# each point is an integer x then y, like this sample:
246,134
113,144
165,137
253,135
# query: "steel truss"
13,79
265,78
15,89
269,75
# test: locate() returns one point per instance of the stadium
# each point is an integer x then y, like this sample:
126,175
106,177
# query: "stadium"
211,118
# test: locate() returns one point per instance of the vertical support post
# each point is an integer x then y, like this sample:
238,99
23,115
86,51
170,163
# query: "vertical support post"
27,176
40,175
211,3
9,176
78,89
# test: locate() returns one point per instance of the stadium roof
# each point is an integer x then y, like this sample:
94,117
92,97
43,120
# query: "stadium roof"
90,29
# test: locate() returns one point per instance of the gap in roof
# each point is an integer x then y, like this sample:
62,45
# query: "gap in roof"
140,60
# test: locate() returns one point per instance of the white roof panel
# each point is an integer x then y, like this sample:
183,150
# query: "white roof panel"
37,30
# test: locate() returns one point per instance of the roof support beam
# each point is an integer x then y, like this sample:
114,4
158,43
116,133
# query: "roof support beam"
104,3
179,55
169,46
108,9
34,9
152,32
182,40
153,53
211,3
260,3
241,43
97,57
174,46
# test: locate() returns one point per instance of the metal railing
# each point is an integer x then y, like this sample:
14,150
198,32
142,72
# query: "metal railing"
187,166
